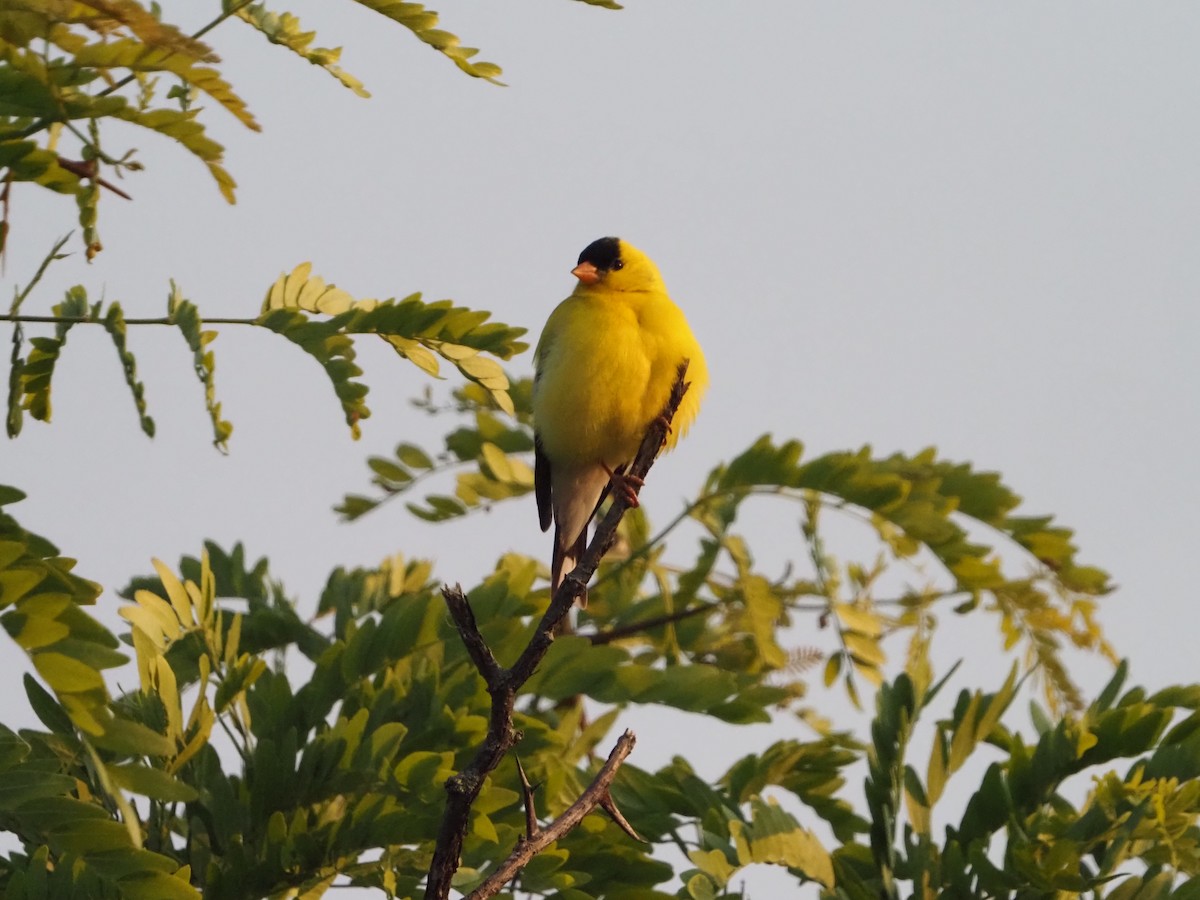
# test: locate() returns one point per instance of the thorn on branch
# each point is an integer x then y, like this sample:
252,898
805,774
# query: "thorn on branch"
88,169
527,791
610,806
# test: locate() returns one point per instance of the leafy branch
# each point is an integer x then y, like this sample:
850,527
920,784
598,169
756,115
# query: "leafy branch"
504,684
487,458
925,511
338,776
56,77
318,318
42,608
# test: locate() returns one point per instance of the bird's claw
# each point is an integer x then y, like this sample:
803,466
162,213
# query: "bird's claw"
660,419
628,485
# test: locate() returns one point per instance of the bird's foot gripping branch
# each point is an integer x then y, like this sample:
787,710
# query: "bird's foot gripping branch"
503,685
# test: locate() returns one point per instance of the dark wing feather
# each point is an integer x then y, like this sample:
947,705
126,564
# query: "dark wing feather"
541,484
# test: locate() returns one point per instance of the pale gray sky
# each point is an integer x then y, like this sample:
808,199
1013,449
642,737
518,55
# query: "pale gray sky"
966,225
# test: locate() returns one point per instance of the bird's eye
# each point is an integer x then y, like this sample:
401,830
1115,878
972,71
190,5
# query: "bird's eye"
618,265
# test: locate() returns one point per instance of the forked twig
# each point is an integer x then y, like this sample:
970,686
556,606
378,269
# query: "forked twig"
596,795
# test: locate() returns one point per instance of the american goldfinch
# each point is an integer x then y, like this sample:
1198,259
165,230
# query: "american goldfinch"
605,365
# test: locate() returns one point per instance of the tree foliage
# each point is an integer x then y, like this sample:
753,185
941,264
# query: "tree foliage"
330,769
237,741
318,318
70,69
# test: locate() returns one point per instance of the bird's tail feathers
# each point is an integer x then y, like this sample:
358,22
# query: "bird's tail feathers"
564,561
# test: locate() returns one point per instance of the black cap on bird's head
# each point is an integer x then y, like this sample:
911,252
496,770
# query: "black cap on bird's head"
598,259
603,253
616,266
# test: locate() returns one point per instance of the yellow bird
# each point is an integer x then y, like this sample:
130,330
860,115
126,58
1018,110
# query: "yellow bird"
605,365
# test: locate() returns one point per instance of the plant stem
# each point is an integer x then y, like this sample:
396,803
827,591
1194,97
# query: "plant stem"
87,320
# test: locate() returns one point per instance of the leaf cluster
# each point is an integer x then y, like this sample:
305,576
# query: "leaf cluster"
319,318
953,532
227,771
63,791
70,68
1134,835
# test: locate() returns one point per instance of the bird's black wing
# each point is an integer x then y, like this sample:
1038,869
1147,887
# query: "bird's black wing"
541,484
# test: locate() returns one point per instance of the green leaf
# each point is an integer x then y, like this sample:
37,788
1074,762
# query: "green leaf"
333,350
354,505
34,632
573,666
182,127
413,456
46,708
284,29
774,836
23,95
388,471
301,290
714,864
133,739
421,21
186,317
764,610
157,886
66,675
153,783
114,324
149,29
701,887
438,508
138,57
16,582
38,369
415,352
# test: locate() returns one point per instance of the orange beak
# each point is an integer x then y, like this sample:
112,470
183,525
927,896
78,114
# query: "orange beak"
586,272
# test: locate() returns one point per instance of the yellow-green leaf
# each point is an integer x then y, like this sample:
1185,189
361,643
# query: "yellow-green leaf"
66,675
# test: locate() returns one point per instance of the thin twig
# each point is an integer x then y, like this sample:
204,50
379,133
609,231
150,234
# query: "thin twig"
88,169
19,298
477,648
88,320
609,635
503,684
596,795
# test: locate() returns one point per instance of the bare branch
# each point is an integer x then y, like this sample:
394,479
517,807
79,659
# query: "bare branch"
596,795
477,648
463,789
